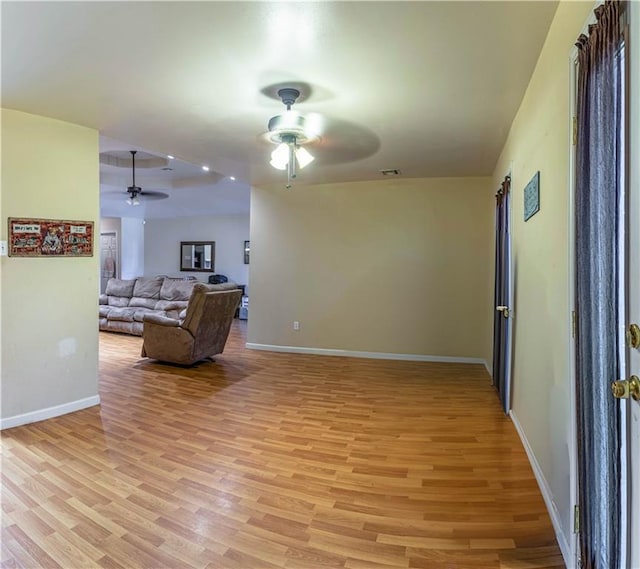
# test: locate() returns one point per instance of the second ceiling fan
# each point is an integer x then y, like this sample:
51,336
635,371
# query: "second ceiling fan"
135,192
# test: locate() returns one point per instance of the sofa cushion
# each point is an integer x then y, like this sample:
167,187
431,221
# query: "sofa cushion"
139,302
147,287
118,301
122,314
140,313
176,290
103,311
171,304
156,318
119,287
175,314
124,327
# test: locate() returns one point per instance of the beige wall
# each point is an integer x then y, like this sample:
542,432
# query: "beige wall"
132,255
539,140
392,266
162,244
49,314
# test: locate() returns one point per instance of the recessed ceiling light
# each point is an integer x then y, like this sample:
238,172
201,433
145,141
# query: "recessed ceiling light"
205,168
232,178
170,157
390,172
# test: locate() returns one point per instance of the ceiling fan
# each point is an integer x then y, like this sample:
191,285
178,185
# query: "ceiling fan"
290,131
135,192
299,138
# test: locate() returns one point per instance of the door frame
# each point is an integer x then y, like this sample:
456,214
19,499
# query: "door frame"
625,559
511,319
508,385
117,259
633,186
571,322
573,408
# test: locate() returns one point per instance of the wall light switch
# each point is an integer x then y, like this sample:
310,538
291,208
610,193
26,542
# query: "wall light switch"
296,325
4,249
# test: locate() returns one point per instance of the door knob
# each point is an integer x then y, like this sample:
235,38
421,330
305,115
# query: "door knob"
625,388
633,336
504,310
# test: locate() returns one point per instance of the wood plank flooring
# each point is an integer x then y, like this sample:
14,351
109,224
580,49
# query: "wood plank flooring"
268,460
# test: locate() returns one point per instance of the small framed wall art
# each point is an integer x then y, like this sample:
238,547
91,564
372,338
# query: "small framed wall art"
31,237
532,197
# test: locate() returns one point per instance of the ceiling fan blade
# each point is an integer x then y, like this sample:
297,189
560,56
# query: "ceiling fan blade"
152,195
148,195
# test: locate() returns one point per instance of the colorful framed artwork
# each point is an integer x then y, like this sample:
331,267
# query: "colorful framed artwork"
32,237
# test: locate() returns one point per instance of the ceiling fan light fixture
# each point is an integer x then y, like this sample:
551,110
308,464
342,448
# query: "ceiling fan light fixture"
293,124
280,156
134,192
289,131
304,157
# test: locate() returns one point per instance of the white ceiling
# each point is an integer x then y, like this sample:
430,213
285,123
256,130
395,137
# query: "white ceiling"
191,190
429,88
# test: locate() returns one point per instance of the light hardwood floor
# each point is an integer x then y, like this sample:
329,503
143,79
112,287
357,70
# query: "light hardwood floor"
264,460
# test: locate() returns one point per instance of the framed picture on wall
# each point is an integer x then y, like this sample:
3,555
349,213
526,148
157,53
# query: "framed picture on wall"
35,237
532,197
247,249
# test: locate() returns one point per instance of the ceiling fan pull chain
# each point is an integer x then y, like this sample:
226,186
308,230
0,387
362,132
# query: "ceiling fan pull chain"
291,170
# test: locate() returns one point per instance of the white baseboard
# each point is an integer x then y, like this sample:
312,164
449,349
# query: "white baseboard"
356,354
49,412
546,494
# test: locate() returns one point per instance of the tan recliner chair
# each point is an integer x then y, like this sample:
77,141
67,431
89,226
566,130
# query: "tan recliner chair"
202,334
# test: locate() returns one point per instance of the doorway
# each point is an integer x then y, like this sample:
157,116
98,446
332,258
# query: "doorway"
503,296
108,258
602,264
634,285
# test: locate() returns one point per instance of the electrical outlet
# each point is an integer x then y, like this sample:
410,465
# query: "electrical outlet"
296,325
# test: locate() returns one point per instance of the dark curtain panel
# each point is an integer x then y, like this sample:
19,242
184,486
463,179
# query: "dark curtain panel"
597,198
501,295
